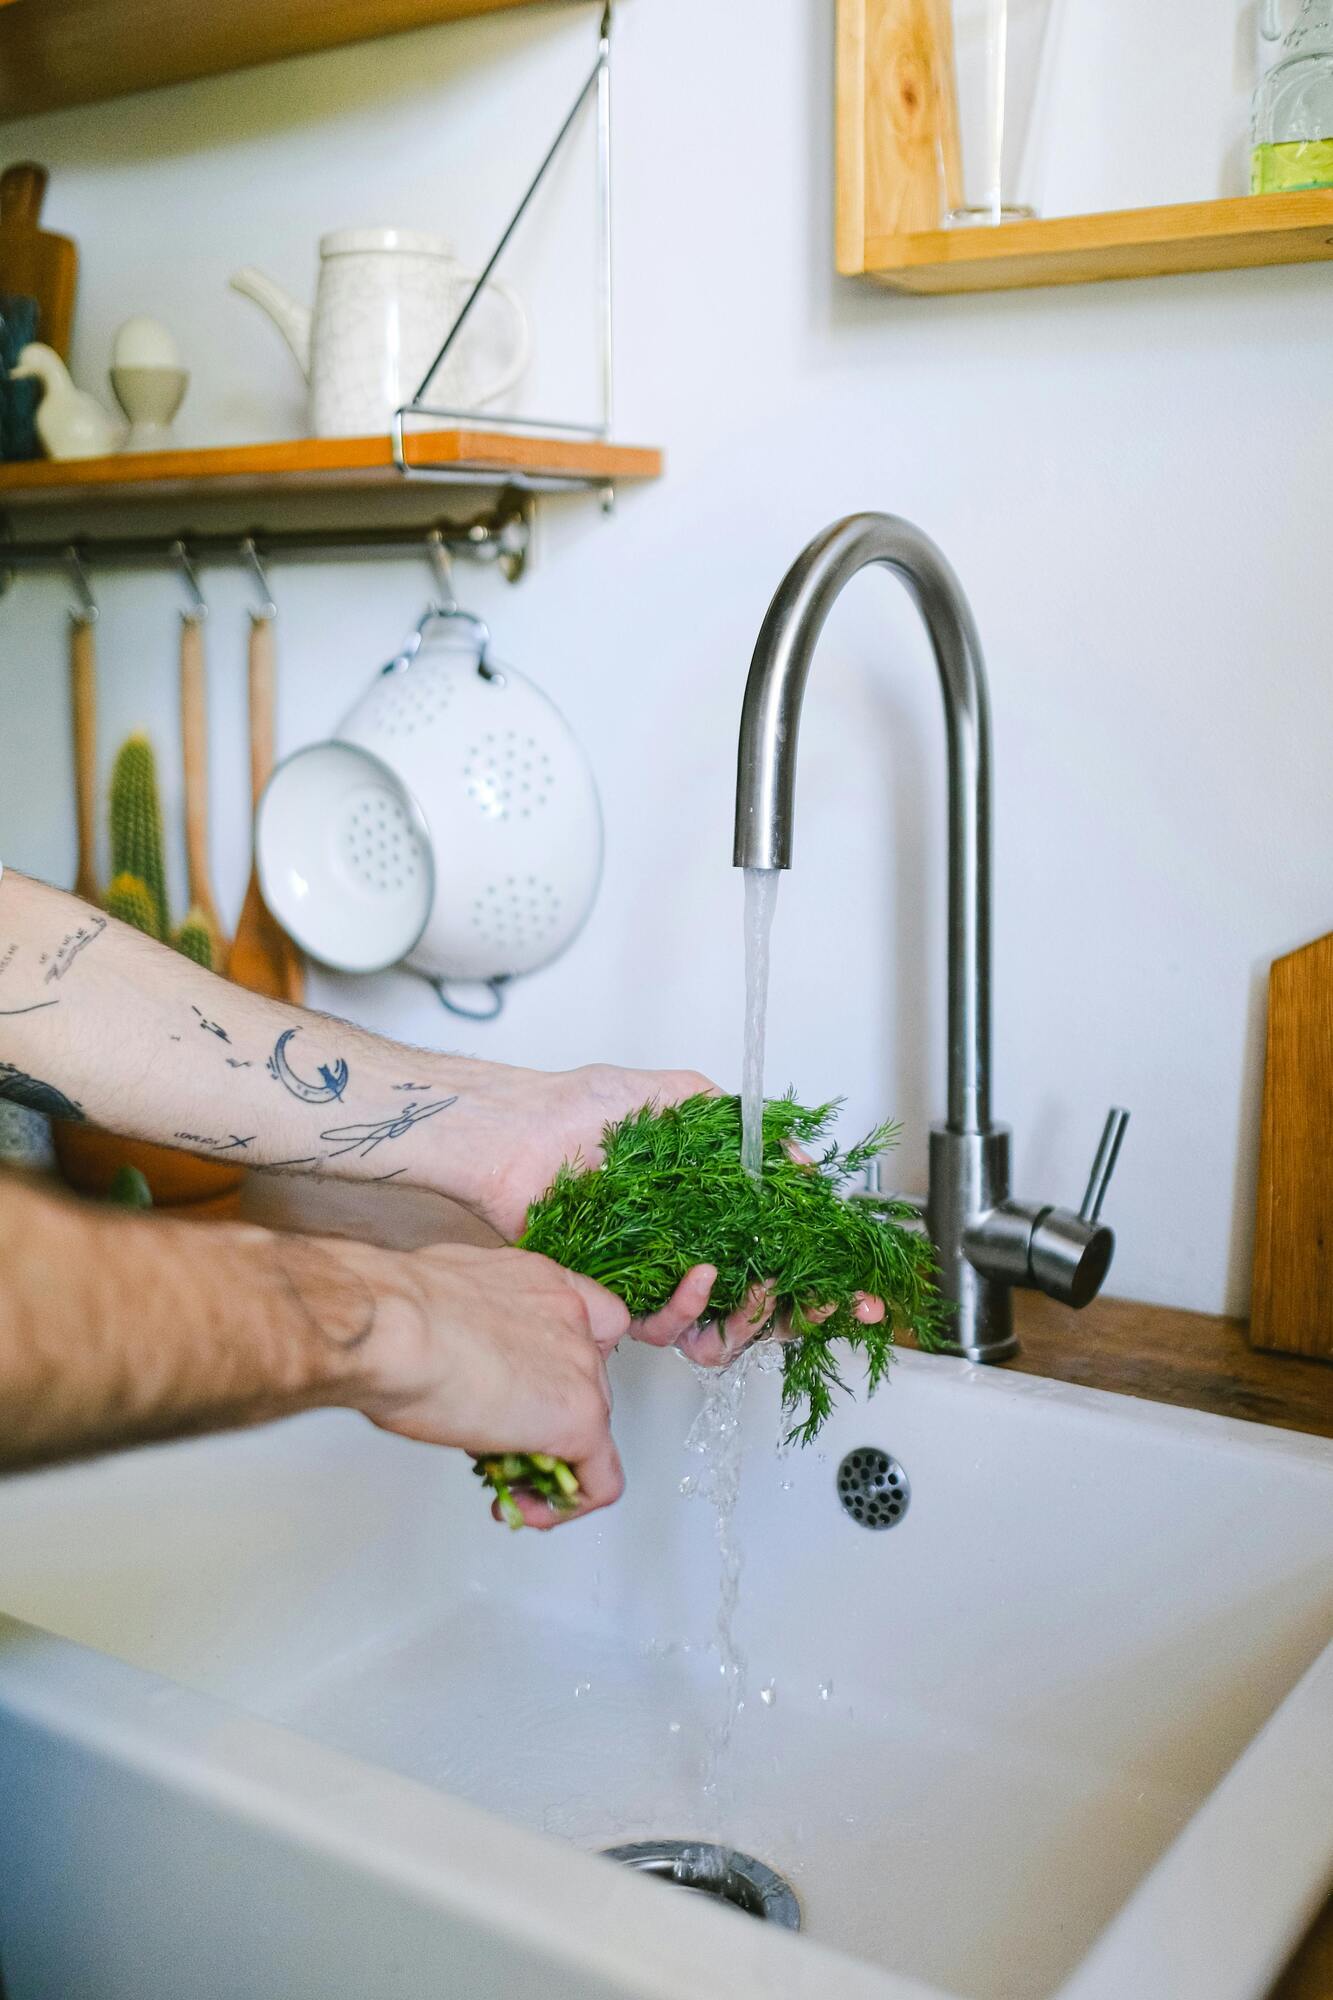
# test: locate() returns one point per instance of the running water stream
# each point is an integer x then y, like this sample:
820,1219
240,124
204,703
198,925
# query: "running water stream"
761,898
716,1433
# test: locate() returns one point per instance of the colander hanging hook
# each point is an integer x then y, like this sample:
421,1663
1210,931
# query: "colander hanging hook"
448,610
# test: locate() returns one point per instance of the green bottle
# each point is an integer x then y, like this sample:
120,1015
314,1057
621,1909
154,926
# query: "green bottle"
1293,106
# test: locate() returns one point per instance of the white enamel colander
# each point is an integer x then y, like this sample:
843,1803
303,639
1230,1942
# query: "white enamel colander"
453,822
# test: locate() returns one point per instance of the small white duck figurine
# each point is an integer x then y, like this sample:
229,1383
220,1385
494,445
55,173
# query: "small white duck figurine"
70,422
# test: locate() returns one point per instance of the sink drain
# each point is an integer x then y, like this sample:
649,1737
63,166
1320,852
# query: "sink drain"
873,1488
720,1872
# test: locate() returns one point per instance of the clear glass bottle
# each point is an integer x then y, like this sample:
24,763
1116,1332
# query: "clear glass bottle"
1293,106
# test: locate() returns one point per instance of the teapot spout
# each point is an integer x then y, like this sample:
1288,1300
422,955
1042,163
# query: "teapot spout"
291,320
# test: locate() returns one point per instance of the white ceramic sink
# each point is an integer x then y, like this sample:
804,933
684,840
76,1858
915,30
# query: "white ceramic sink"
1067,1728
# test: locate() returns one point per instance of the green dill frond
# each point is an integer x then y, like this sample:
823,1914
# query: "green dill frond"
671,1193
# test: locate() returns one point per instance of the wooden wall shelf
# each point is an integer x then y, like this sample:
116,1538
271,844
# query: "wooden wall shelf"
1126,243
313,465
61,52
899,170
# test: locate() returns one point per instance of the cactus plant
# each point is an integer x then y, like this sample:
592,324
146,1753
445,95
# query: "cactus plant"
195,940
136,825
128,900
138,892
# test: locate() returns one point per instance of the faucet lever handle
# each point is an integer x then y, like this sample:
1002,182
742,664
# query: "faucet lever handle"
1108,1152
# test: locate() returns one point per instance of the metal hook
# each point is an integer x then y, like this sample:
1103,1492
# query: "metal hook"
89,612
180,555
437,555
267,608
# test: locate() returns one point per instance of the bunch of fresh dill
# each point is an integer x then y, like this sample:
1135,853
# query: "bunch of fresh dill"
671,1193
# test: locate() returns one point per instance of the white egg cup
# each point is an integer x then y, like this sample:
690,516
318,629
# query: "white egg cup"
150,398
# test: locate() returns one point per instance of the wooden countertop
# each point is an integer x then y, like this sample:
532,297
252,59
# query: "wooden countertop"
1191,1359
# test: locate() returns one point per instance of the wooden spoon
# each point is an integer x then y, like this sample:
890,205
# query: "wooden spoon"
83,713
194,756
263,957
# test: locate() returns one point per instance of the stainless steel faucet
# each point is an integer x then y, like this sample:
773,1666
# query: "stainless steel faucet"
986,1243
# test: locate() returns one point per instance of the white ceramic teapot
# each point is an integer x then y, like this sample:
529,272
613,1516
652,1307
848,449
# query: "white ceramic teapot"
385,301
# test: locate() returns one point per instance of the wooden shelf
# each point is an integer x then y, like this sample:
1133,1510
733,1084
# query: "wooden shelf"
61,52
1126,243
899,170
320,465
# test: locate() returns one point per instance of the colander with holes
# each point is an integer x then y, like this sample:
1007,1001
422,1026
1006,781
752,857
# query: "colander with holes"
453,822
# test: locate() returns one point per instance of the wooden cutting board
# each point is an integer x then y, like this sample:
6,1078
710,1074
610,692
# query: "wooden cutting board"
35,263
1291,1307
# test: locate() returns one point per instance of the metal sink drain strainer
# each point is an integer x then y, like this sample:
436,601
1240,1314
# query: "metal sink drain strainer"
720,1872
873,1488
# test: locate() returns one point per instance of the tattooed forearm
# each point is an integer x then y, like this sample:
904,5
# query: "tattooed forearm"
332,1080
59,961
363,1140
34,1095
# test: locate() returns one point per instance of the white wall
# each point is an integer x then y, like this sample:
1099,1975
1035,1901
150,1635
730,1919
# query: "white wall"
1130,480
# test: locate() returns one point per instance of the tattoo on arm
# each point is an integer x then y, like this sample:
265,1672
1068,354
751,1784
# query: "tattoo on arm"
233,1062
363,1140
7,957
59,961
12,1013
34,1095
210,1027
332,1079
233,1144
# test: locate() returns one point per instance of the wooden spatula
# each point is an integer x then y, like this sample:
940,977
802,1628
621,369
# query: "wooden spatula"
35,263
194,757
263,957
83,715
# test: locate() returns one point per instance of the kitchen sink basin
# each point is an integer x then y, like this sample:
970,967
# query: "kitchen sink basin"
286,1713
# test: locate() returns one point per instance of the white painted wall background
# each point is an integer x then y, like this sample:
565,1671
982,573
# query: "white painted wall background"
1130,480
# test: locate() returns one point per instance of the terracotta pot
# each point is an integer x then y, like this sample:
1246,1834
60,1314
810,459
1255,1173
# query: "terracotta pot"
90,1160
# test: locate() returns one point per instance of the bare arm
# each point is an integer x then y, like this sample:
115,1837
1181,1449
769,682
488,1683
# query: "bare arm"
100,1023
118,1330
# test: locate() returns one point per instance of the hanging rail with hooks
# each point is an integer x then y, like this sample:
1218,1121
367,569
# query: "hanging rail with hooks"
502,538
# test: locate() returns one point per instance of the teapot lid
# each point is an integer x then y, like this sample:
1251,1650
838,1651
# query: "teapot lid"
344,241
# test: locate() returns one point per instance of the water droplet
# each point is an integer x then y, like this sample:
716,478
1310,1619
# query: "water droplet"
673,1729
825,1690
582,1688
688,1485
768,1695
787,1485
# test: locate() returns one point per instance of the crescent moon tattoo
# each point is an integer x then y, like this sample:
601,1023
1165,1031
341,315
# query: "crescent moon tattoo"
332,1081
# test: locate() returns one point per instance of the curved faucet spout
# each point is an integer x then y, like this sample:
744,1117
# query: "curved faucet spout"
770,724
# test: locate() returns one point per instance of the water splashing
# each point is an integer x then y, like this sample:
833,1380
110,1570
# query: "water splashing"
715,1437
761,898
